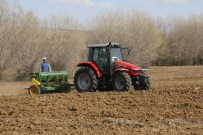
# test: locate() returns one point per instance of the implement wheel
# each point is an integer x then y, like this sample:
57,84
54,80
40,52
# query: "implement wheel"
34,90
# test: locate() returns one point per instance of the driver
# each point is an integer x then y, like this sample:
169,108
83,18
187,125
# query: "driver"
103,54
103,58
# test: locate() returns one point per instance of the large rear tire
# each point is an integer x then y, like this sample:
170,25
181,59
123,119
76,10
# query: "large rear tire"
121,81
85,80
34,90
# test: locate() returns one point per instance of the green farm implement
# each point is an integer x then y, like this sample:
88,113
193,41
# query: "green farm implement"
49,81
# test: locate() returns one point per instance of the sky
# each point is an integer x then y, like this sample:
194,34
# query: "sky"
84,10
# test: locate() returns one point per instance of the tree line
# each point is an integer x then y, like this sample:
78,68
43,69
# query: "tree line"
25,39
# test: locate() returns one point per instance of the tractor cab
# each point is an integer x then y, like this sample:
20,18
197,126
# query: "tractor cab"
104,55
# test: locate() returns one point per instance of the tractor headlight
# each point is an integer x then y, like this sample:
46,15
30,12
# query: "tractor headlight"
139,70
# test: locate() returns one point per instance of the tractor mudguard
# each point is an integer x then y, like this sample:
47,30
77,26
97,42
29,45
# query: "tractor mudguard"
92,65
120,69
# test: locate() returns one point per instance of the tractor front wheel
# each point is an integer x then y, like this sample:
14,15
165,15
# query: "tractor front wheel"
85,80
121,81
143,83
34,90
147,84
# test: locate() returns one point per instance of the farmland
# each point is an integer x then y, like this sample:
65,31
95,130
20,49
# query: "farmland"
174,105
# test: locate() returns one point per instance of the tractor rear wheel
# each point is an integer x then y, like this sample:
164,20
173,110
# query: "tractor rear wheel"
34,90
85,80
121,81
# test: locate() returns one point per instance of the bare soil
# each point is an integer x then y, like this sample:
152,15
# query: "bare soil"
174,105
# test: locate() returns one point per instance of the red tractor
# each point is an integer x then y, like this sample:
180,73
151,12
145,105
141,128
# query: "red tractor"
106,69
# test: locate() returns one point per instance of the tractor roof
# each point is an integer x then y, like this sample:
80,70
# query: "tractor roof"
104,45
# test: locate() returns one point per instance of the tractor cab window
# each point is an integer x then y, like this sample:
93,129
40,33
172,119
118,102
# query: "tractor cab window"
96,54
102,59
99,56
103,54
116,54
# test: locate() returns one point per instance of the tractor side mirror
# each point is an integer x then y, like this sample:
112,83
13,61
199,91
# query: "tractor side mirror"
113,59
127,51
106,60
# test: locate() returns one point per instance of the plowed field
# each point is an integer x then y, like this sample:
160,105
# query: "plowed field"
174,105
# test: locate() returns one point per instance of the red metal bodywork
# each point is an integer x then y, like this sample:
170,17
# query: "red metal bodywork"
127,67
119,66
92,65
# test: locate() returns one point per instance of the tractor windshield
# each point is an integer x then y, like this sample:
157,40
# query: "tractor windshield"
116,53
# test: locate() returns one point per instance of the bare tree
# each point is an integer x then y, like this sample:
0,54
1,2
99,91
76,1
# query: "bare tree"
64,43
28,57
134,29
182,40
10,43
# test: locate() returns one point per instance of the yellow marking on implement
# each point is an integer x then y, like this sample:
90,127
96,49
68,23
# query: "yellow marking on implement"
34,81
